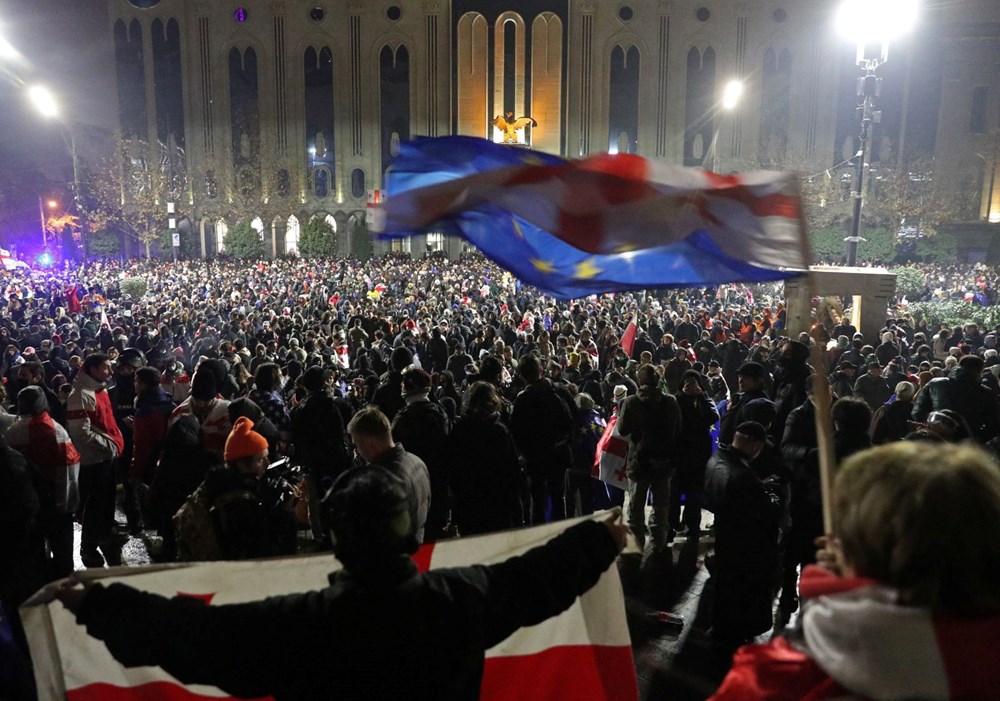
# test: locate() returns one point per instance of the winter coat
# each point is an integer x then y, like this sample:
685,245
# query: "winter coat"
962,392
91,421
413,470
423,426
485,475
651,421
252,518
318,434
541,424
149,430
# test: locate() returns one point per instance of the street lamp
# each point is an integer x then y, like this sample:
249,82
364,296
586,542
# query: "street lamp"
731,94
870,23
45,103
175,237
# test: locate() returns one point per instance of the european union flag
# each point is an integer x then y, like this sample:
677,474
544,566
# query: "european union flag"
608,223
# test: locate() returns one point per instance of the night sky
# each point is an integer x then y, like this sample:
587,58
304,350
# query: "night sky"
64,44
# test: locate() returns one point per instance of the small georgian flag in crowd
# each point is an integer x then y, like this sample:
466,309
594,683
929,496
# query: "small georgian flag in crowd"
583,654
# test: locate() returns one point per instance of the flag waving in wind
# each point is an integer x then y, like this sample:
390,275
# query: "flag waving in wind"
600,224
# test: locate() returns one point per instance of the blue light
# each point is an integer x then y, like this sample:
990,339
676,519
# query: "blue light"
45,260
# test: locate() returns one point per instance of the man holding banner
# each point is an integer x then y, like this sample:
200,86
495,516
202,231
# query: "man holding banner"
379,631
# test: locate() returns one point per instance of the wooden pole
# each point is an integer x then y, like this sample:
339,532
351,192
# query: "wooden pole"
821,391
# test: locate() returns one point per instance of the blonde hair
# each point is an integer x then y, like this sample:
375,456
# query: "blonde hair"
924,519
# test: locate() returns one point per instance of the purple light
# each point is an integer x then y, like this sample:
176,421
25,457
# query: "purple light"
240,15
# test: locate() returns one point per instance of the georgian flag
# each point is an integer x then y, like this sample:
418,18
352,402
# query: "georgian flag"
600,224
583,654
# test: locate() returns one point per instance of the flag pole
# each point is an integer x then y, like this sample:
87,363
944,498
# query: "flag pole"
821,385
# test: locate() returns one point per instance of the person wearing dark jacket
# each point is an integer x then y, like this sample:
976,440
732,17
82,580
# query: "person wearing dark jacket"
32,373
891,422
694,448
541,424
789,389
747,512
872,387
182,467
153,407
318,435
963,392
252,518
651,421
423,427
750,380
388,397
484,481
380,631
800,450
842,381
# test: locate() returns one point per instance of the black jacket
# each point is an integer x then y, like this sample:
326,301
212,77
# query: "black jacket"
651,418
963,392
423,427
541,424
251,516
318,434
485,475
395,636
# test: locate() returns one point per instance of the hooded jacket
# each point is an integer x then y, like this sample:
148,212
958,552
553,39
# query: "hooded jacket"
855,642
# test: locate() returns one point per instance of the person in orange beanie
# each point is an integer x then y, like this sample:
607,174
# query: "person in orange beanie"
251,516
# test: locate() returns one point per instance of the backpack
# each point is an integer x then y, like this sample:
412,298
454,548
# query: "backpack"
194,528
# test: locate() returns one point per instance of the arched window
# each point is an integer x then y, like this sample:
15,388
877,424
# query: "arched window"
221,229
292,235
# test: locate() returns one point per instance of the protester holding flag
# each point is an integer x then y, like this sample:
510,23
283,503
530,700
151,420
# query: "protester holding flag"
379,631
906,601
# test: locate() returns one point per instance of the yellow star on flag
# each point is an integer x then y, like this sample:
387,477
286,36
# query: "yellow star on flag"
517,228
586,270
544,266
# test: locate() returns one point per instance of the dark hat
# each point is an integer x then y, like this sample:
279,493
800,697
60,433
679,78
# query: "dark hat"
688,374
31,401
132,356
416,381
713,364
313,378
762,411
848,365
204,385
752,429
401,358
752,369
873,363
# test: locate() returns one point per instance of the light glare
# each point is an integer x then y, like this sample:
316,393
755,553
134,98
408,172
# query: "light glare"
869,21
43,100
731,94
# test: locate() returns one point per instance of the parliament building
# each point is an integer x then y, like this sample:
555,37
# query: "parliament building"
279,111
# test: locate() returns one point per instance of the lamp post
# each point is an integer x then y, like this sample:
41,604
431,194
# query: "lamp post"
870,23
46,104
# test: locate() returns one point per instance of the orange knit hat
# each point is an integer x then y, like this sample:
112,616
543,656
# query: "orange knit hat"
243,441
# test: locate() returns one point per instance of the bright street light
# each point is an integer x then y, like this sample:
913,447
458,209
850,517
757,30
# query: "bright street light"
869,23
44,101
52,204
8,52
731,94
876,21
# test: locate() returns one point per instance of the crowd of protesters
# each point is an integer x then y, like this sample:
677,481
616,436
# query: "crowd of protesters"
228,398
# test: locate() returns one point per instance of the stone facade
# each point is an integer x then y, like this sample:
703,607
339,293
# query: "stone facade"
283,111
